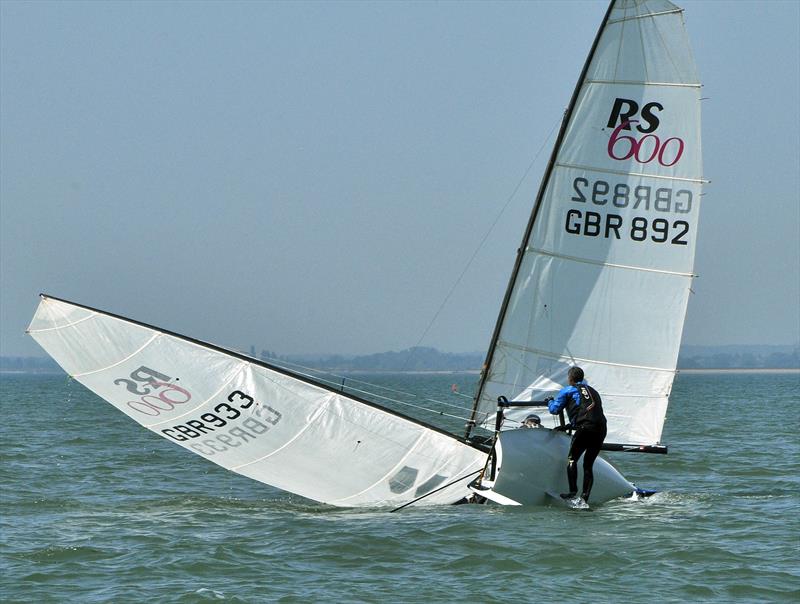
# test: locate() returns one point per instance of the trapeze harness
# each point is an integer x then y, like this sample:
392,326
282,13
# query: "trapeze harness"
589,414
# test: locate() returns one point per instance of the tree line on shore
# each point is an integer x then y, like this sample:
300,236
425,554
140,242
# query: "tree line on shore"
421,358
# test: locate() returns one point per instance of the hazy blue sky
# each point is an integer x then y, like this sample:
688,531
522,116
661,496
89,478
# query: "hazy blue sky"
313,177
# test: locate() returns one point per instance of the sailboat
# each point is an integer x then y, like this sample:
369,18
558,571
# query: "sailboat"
601,280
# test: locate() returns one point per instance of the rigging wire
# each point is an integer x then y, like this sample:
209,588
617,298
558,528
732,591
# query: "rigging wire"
407,404
450,293
389,399
449,484
373,385
462,395
481,244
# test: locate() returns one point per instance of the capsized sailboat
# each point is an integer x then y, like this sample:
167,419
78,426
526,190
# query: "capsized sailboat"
601,280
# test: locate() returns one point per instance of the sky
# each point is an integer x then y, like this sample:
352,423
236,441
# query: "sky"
315,177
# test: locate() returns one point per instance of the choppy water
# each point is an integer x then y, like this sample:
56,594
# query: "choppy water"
96,509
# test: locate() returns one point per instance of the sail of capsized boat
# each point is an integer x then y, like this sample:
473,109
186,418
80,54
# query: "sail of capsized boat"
253,418
603,275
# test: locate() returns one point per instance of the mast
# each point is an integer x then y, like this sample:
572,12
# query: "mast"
539,196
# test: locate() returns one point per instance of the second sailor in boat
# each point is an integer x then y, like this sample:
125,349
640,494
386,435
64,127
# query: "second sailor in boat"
585,411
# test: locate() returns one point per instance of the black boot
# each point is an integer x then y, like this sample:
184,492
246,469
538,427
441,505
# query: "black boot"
572,479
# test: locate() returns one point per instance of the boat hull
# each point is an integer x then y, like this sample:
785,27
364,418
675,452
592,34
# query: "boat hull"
532,469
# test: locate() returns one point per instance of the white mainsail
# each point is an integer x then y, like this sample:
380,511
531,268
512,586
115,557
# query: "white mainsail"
605,269
254,419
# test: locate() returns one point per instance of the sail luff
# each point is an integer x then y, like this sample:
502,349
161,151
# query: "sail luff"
531,221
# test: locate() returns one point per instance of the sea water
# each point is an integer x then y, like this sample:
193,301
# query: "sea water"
96,509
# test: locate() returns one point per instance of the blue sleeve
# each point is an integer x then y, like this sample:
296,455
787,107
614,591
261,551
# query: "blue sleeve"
560,402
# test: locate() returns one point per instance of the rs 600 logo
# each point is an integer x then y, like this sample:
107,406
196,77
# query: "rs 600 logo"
156,391
622,146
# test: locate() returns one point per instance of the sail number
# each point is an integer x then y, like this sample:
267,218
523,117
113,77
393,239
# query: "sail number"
227,427
237,420
641,197
594,224
623,196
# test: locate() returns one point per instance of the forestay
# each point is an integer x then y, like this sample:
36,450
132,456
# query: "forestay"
605,268
253,419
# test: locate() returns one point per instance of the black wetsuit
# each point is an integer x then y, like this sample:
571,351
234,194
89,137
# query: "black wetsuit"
585,410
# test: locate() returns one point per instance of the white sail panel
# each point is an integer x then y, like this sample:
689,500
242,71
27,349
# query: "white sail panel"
253,419
634,398
666,146
61,327
580,313
371,457
617,219
661,140
644,41
109,361
606,270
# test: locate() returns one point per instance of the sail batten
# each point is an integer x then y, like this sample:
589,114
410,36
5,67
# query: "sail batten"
31,331
645,16
606,264
643,83
577,359
623,173
120,362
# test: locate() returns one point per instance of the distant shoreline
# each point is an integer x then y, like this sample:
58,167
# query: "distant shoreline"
345,372
31,372
743,370
422,360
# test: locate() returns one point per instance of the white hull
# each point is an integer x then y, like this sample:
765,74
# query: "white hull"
532,469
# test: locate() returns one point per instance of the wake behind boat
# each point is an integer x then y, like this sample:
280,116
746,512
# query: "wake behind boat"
602,279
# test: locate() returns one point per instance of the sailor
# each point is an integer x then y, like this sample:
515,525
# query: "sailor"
585,411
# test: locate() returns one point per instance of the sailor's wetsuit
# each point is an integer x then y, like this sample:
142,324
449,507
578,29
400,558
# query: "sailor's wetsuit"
585,411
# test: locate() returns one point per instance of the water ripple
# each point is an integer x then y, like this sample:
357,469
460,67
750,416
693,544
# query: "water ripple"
114,514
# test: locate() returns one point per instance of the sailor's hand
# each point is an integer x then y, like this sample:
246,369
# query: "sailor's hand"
548,399
563,428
